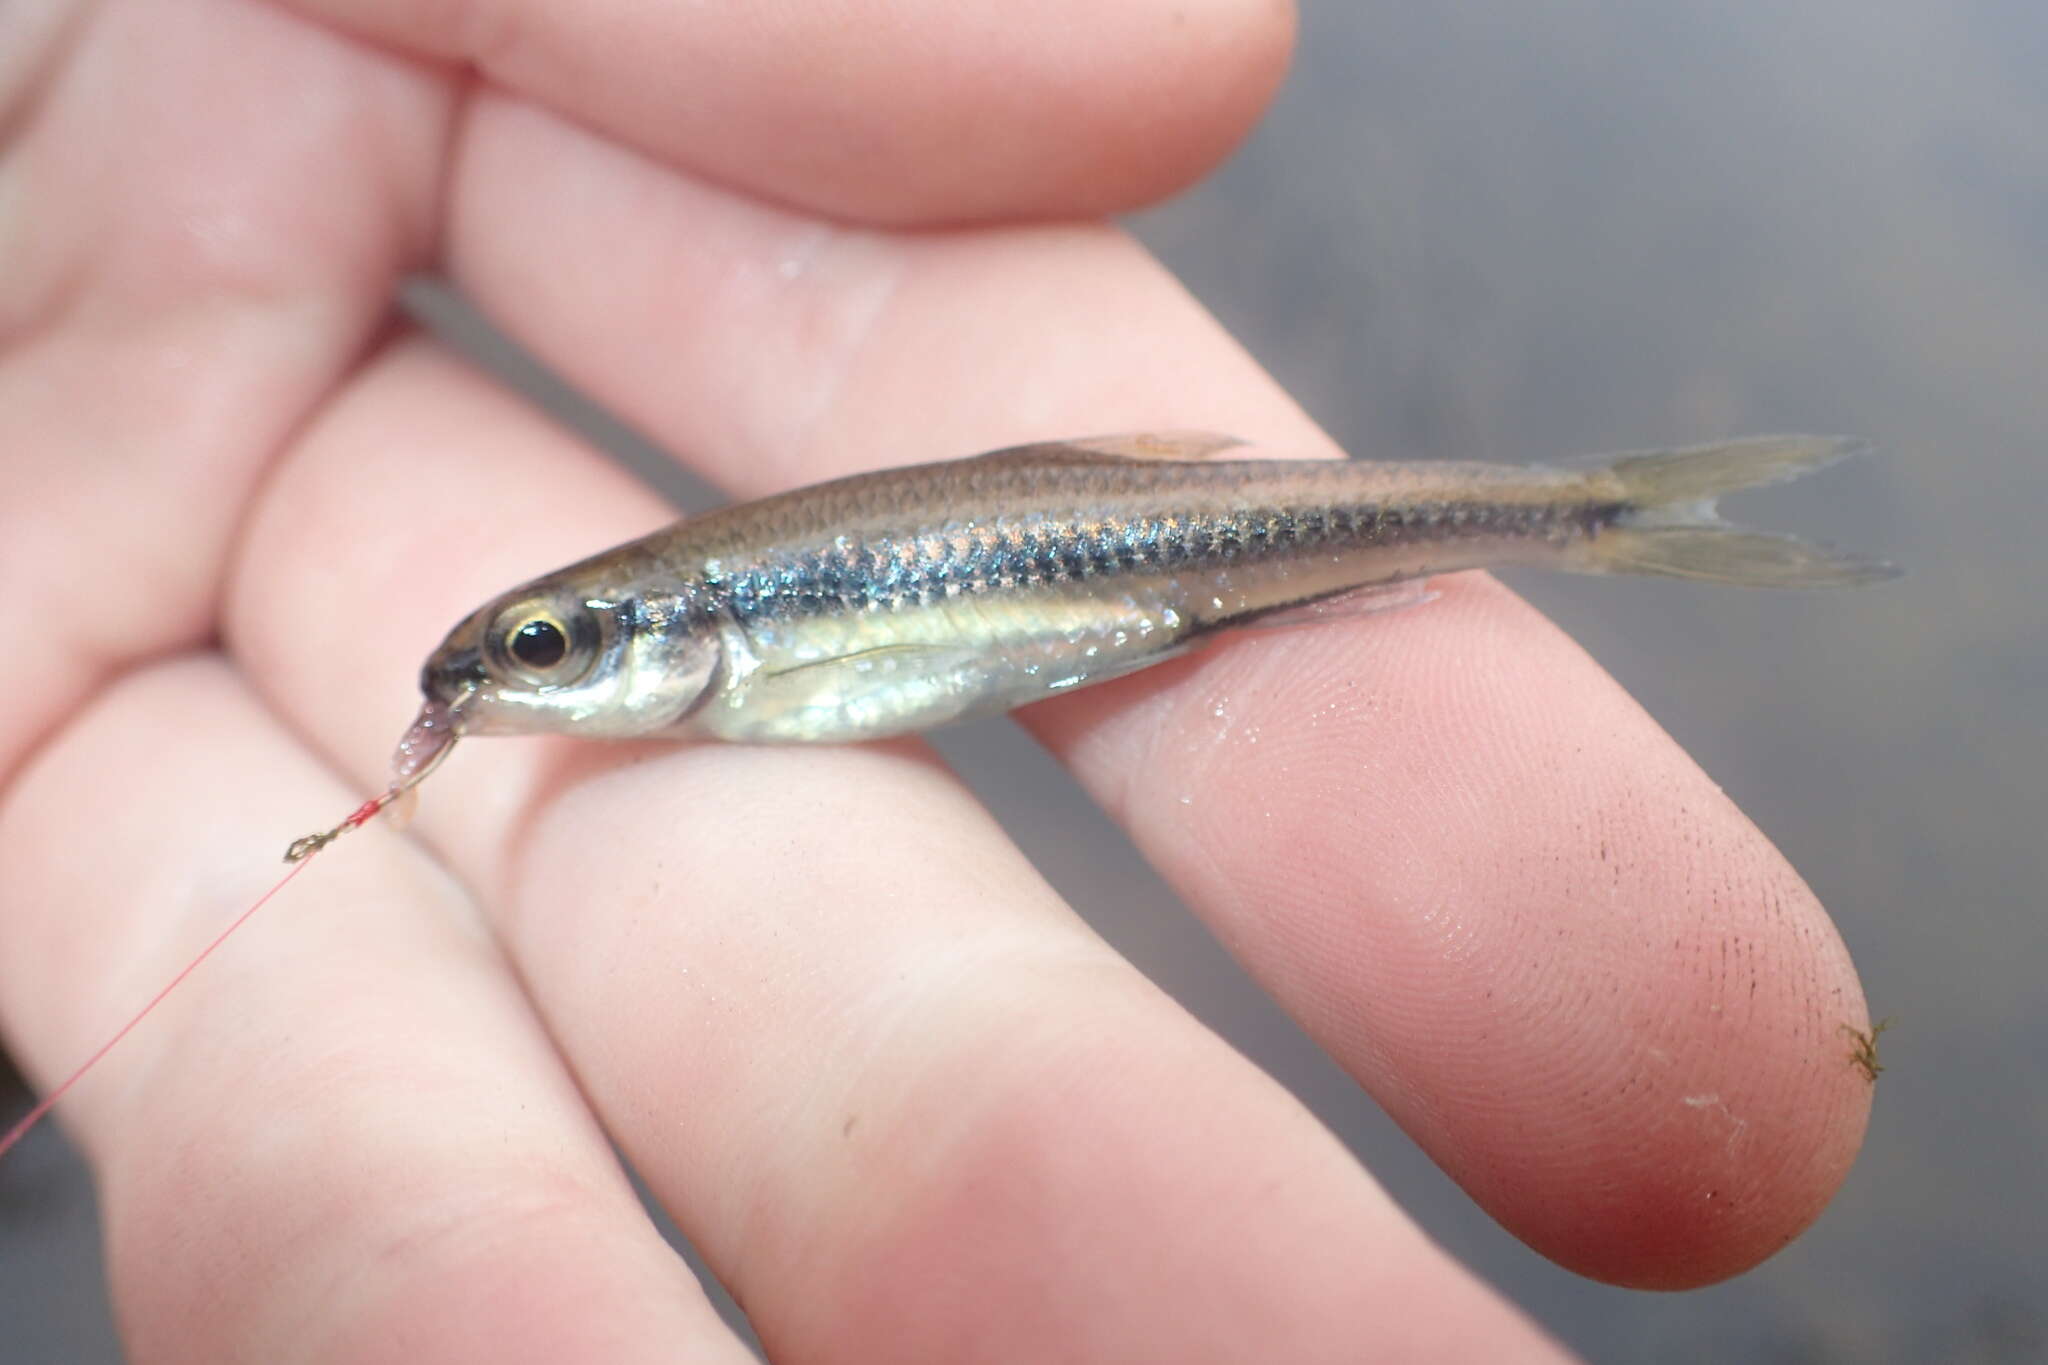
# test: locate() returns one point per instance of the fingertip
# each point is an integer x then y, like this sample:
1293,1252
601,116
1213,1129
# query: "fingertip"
886,111
1146,100
1691,1169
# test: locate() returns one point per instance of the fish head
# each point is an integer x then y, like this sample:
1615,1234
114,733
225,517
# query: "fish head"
555,657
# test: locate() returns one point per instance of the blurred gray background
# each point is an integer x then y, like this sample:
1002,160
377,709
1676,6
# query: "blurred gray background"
1517,229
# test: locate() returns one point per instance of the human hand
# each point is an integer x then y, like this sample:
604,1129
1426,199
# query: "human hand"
906,1104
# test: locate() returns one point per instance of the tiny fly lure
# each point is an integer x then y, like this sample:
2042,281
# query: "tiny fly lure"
909,598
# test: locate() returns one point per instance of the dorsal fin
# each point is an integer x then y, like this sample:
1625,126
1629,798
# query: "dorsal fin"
1167,446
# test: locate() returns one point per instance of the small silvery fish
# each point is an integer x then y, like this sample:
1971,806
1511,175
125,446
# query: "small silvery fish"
908,598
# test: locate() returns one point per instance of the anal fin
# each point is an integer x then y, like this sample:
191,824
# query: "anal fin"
1369,600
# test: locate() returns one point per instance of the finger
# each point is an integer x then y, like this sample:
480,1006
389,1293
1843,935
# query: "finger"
1481,877
345,1138
892,110
184,276
1584,981
904,1102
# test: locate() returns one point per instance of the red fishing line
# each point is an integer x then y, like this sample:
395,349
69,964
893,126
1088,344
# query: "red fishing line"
49,1101
429,741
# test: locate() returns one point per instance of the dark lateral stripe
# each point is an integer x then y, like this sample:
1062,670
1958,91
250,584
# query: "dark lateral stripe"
888,573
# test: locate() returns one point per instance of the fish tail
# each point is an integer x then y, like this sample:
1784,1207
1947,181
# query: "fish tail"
1668,525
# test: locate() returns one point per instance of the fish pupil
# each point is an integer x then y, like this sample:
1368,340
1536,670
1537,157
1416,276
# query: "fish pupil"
539,644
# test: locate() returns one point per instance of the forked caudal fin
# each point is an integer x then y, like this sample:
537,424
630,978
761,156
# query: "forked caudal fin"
1672,529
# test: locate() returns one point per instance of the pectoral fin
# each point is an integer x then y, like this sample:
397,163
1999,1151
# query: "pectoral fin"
871,693
883,661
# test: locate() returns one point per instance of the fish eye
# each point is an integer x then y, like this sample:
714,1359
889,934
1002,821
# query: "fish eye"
539,644
544,645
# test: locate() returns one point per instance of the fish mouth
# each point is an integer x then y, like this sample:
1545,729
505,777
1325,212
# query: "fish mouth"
453,676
